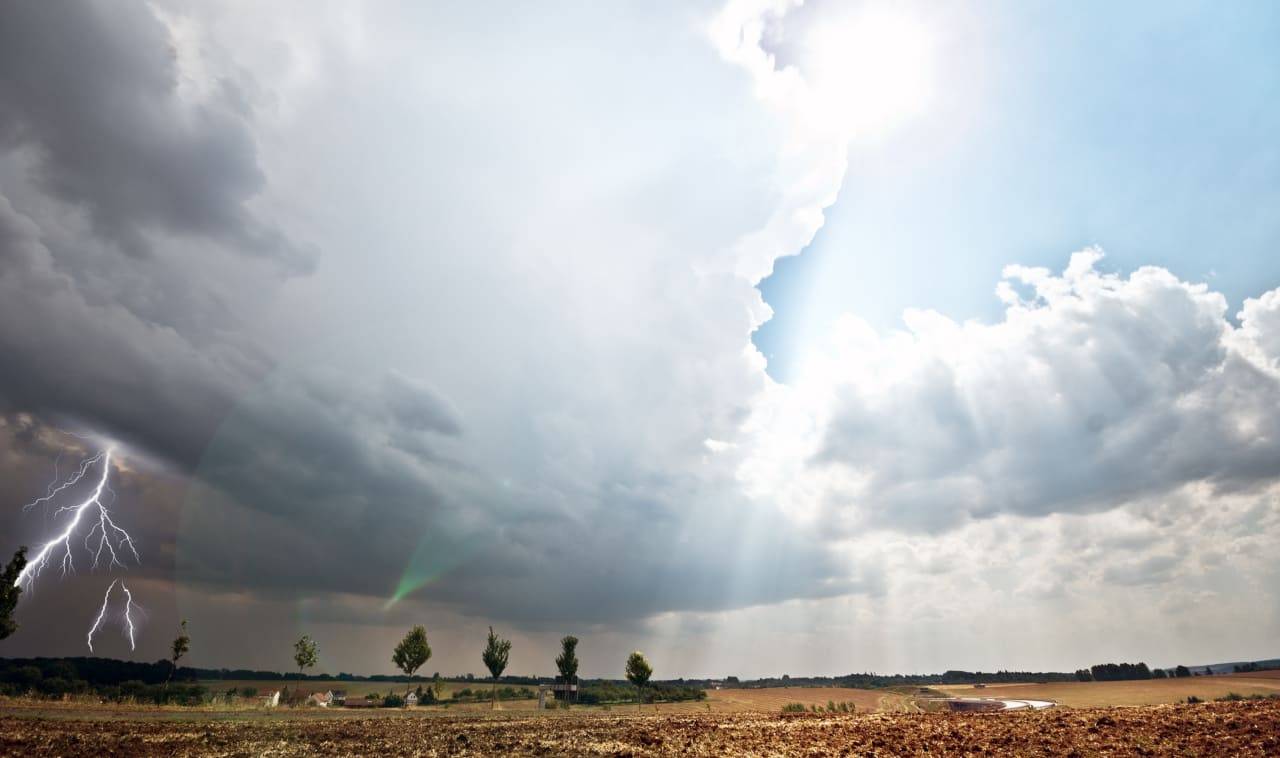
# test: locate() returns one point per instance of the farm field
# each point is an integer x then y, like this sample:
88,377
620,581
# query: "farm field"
772,699
1244,729
1272,674
1141,692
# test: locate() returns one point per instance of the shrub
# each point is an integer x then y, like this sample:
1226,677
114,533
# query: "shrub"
1192,700
393,701
793,708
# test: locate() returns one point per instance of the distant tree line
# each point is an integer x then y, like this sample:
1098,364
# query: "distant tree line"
878,681
1114,672
1248,668
111,680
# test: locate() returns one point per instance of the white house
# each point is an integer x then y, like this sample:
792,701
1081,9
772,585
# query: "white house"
411,699
269,698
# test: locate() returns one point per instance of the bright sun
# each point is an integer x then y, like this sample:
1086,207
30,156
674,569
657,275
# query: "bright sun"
869,70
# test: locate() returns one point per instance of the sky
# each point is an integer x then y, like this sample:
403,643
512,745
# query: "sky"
760,336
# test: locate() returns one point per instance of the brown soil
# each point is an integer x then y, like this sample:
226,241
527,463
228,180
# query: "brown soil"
1246,728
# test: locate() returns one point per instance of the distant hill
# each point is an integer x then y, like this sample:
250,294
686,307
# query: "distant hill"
1230,666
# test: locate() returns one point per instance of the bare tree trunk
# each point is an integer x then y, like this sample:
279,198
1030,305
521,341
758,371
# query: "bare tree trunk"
493,706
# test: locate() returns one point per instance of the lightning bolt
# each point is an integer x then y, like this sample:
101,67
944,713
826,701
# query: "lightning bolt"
102,613
128,605
111,538
104,539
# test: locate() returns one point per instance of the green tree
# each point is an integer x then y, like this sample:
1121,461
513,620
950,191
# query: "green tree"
567,661
496,653
638,673
305,652
9,592
181,644
412,652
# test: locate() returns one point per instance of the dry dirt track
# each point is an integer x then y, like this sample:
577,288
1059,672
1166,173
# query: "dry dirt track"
1241,729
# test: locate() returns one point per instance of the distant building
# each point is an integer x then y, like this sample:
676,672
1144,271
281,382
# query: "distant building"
339,697
361,702
411,698
303,695
269,698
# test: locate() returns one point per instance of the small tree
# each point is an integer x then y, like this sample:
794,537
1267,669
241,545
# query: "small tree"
9,591
304,654
496,652
181,644
638,673
1181,671
412,652
567,661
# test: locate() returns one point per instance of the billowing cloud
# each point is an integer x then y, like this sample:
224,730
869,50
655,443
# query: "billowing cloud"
1094,391
90,93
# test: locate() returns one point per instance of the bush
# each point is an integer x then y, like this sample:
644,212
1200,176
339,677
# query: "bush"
1232,697
1192,700
393,701
793,708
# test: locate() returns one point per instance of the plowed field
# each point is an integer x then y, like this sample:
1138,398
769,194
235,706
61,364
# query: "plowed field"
1245,728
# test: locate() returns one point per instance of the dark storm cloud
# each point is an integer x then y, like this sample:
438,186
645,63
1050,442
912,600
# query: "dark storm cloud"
148,347
91,89
303,465
309,466
734,556
73,356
